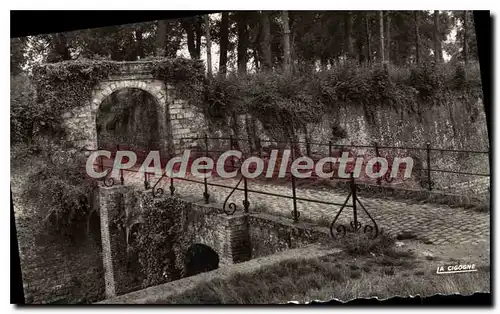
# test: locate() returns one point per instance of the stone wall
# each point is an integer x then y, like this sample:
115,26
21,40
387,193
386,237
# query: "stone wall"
236,238
193,223
453,126
457,125
186,122
271,234
58,269
176,118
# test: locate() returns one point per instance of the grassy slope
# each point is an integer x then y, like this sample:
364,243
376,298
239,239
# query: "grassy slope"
356,273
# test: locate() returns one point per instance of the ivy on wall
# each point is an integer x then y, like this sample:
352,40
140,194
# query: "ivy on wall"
285,103
167,228
187,76
158,240
60,87
67,85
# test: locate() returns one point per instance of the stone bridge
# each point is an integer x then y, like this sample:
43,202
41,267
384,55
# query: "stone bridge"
236,238
176,118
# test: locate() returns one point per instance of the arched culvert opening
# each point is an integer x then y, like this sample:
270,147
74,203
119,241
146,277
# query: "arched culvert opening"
200,258
129,117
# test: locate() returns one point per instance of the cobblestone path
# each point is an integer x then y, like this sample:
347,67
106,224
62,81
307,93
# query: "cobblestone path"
437,223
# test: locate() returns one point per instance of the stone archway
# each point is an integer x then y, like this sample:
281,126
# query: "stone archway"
176,118
155,88
129,117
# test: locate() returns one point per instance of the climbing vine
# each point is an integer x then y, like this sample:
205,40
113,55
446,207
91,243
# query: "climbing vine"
157,239
66,85
288,102
187,76
63,193
167,228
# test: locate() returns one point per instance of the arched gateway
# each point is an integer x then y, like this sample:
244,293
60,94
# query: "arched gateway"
176,118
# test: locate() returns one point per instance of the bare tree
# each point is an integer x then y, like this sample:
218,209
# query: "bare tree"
242,41
368,37
224,42
438,52
388,36
209,45
466,29
161,36
381,34
266,40
286,43
348,35
417,36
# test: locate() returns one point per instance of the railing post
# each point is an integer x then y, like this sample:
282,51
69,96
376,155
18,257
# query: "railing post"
121,176
330,155
146,182
429,182
379,180
295,213
246,203
101,160
231,148
259,147
172,188
206,196
354,209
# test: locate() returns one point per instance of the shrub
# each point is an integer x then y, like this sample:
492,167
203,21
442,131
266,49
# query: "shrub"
22,108
62,191
285,103
362,244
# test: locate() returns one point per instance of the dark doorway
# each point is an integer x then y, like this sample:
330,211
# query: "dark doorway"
200,258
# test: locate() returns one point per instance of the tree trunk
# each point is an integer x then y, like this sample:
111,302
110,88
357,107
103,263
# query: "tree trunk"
368,37
381,34
417,37
348,36
140,48
189,28
224,42
266,41
198,29
388,36
242,42
161,36
209,45
286,43
59,49
466,29
293,55
255,54
437,42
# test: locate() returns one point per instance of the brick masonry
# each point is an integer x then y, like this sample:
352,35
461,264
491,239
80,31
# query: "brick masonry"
176,118
161,293
227,235
236,238
56,269
451,126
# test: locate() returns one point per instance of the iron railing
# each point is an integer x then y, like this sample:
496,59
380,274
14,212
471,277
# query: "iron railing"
230,208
